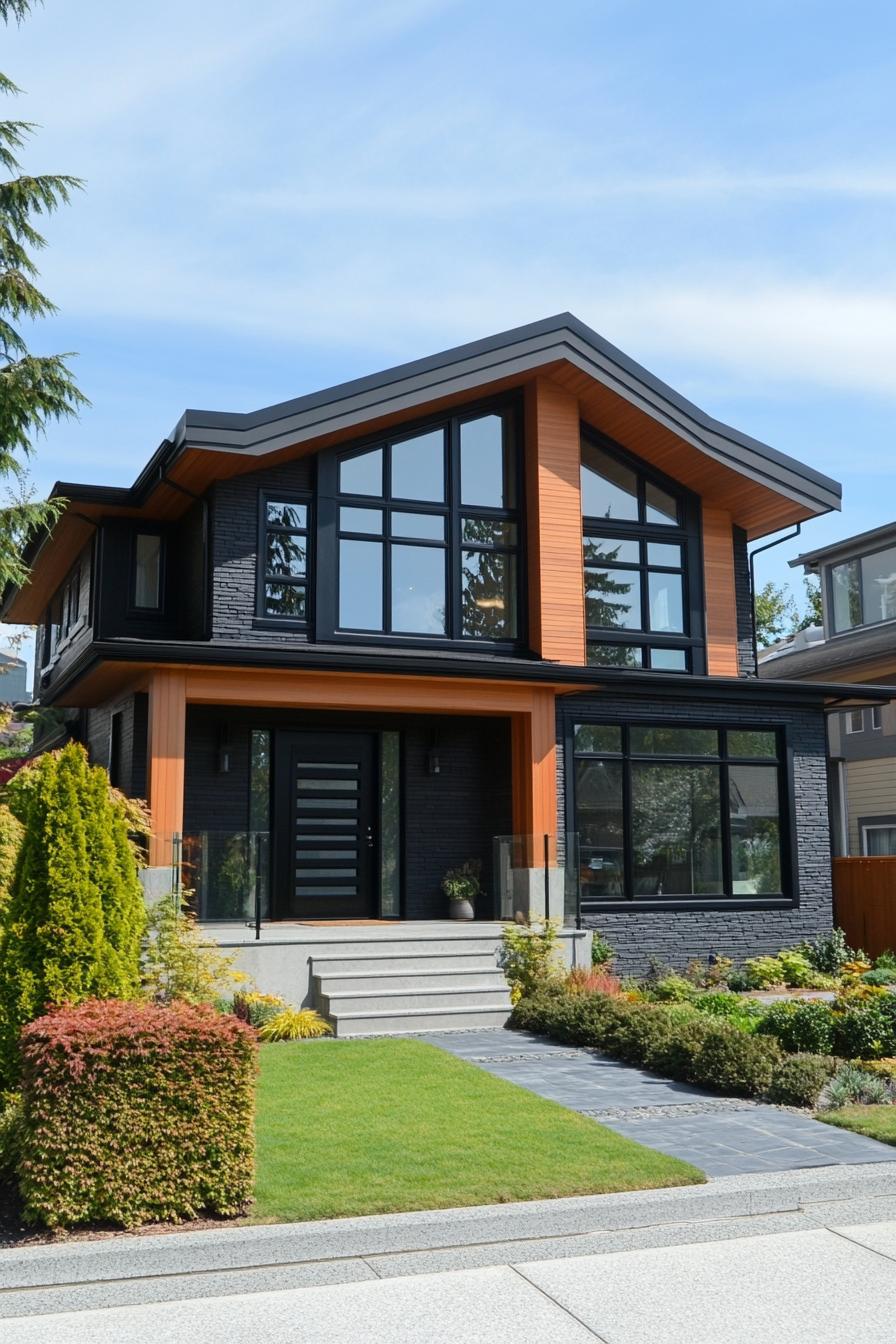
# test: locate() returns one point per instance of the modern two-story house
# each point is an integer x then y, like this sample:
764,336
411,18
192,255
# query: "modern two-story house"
855,643
346,642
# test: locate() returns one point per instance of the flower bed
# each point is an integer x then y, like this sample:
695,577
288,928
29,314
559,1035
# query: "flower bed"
703,1027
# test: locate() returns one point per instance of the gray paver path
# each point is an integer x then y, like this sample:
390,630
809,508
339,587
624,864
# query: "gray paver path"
722,1136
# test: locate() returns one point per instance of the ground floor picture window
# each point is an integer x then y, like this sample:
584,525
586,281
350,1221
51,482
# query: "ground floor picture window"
675,812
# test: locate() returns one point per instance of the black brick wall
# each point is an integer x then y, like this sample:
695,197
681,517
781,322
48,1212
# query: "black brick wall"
677,936
234,529
98,736
448,818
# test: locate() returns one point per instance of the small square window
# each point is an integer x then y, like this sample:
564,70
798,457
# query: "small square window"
855,721
877,721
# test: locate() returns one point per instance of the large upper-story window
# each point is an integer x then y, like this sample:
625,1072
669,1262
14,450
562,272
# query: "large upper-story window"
863,590
642,578
426,532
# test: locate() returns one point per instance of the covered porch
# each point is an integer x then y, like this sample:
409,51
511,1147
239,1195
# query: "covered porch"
300,799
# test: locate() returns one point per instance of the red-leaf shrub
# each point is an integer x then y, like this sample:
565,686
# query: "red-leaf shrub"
136,1112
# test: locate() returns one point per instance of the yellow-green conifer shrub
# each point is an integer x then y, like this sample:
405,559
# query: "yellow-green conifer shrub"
72,926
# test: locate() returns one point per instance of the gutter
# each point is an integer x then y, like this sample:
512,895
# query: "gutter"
521,670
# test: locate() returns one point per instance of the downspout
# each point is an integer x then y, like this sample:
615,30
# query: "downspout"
753,554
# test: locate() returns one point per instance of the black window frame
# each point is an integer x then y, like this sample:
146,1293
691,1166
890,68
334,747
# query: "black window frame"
262,578
451,508
788,898
133,609
687,533
828,592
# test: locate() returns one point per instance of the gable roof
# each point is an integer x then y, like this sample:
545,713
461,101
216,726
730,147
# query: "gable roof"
762,488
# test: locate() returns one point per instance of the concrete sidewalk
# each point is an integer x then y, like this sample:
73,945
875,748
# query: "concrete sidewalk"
831,1279
723,1136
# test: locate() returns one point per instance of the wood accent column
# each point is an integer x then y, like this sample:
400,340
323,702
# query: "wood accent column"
721,594
534,771
165,759
554,512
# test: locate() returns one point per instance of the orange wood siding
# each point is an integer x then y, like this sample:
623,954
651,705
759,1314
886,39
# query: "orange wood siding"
721,597
531,710
165,759
556,586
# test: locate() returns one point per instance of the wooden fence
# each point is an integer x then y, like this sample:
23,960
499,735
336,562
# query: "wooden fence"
865,902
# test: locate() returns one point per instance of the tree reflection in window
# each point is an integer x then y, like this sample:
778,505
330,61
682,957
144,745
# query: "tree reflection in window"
285,552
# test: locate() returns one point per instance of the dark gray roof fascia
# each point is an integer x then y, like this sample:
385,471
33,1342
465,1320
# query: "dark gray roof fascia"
508,354
860,544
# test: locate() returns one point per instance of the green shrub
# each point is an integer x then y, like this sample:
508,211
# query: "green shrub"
72,926
880,975
867,1031
739,981
179,962
797,968
886,961
828,952
732,1062
852,1086
764,972
10,1133
798,1080
11,832
746,1014
671,1039
672,989
800,1028
637,1033
133,1113
253,1007
530,955
602,952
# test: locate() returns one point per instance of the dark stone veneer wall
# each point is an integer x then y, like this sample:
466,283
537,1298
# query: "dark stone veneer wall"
676,936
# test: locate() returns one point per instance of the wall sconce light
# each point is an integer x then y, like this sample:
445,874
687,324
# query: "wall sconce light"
224,750
433,758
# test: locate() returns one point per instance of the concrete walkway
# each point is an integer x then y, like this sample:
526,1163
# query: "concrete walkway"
722,1136
828,1281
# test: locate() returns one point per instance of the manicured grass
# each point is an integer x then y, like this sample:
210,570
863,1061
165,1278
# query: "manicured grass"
877,1122
359,1127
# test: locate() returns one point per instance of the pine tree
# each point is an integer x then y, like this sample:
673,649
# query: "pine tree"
34,389
75,918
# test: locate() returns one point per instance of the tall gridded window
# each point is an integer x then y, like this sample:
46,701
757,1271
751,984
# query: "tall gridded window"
427,533
641,564
863,590
678,812
283,591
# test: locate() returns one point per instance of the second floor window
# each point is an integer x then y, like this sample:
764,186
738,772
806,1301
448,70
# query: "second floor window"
426,529
284,550
641,566
863,590
147,581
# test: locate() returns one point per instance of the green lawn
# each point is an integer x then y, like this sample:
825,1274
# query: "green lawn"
358,1127
877,1122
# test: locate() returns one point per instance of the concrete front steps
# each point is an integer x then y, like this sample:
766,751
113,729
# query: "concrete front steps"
412,984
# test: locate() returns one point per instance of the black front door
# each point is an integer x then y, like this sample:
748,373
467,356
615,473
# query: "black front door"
325,812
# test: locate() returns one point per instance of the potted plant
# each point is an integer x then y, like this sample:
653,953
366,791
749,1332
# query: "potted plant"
461,886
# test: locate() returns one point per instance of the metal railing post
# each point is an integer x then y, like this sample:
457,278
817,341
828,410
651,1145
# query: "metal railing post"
177,854
258,852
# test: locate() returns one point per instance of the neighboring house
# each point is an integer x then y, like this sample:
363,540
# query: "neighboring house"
343,643
856,643
14,688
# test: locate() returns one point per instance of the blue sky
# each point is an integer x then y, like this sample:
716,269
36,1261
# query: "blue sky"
285,195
